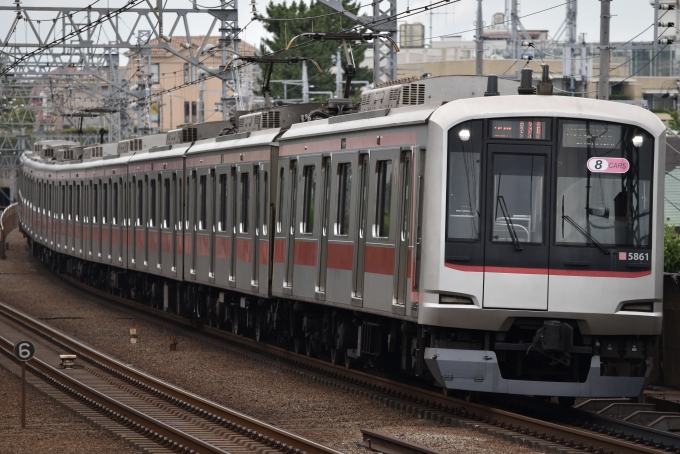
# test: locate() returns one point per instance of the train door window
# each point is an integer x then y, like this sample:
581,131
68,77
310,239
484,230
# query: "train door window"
381,229
152,203
309,175
95,211
70,202
344,204
245,201
49,200
166,203
114,205
279,221
222,225
86,203
130,205
204,203
265,214
77,202
105,203
140,203
63,201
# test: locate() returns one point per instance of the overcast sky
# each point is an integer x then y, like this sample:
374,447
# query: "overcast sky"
630,17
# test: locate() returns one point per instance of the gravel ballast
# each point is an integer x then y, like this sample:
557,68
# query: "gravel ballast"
326,415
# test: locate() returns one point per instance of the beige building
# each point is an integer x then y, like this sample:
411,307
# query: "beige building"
184,104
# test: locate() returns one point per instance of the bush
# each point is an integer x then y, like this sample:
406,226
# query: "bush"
671,250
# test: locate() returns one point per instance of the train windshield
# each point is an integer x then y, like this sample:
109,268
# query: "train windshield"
604,184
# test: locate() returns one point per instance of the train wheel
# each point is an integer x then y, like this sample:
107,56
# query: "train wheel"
336,356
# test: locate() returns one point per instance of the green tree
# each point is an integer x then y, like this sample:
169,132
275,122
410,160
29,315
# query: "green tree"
671,249
280,32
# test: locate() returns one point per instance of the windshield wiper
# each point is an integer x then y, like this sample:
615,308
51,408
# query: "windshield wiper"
501,201
585,233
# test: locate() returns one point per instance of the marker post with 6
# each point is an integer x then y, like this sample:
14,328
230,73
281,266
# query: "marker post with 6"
23,351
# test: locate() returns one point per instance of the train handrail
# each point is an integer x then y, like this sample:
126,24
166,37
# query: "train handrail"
9,220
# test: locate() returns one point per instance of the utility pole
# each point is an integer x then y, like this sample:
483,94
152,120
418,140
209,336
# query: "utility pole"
201,103
305,84
515,36
479,67
603,84
569,70
656,36
338,75
584,69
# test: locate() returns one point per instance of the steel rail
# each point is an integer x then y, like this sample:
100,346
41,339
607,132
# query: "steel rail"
569,436
127,415
281,439
376,441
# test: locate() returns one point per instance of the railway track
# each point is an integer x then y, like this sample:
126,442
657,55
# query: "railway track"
172,419
578,431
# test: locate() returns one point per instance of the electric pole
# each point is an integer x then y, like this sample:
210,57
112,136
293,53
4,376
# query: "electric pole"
479,68
515,36
603,83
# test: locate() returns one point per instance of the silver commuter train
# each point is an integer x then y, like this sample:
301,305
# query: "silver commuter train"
508,244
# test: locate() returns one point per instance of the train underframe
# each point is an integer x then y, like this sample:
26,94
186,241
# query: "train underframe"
532,350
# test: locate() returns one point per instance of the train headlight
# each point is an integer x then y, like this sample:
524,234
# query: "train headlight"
464,135
637,141
454,299
638,307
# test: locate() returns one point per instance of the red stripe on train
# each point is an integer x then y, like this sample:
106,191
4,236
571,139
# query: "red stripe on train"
340,256
379,260
305,253
546,271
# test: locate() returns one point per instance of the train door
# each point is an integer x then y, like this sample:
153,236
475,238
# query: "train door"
50,214
280,233
264,213
178,232
290,218
87,221
153,224
245,226
167,240
402,259
132,213
201,256
361,232
78,224
223,245
516,250
97,215
190,225
212,221
381,234
342,232
322,254
115,236
255,255
106,221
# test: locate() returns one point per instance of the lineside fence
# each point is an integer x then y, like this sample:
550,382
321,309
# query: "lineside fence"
9,220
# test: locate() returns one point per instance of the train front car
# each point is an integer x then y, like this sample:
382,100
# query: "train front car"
543,246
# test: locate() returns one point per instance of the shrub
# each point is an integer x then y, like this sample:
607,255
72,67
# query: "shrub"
671,250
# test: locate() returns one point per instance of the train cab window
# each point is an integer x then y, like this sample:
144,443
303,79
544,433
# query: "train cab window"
604,184
140,203
279,221
222,225
245,201
152,203
518,197
344,205
202,222
265,214
114,205
381,229
105,203
307,223
464,179
166,203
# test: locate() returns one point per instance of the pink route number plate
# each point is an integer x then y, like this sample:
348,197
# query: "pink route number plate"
608,165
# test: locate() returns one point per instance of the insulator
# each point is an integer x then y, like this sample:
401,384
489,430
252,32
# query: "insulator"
666,24
527,44
666,7
527,57
666,41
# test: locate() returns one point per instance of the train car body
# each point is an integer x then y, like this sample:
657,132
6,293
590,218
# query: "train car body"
508,244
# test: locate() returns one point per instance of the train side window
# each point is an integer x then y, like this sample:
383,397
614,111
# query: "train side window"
105,203
265,216
140,203
344,205
152,203
222,225
279,222
307,224
166,203
114,205
381,229
245,201
204,203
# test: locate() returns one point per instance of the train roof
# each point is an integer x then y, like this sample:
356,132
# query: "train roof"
546,106
236,141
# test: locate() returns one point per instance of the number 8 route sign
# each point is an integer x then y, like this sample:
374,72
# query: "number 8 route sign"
24,350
